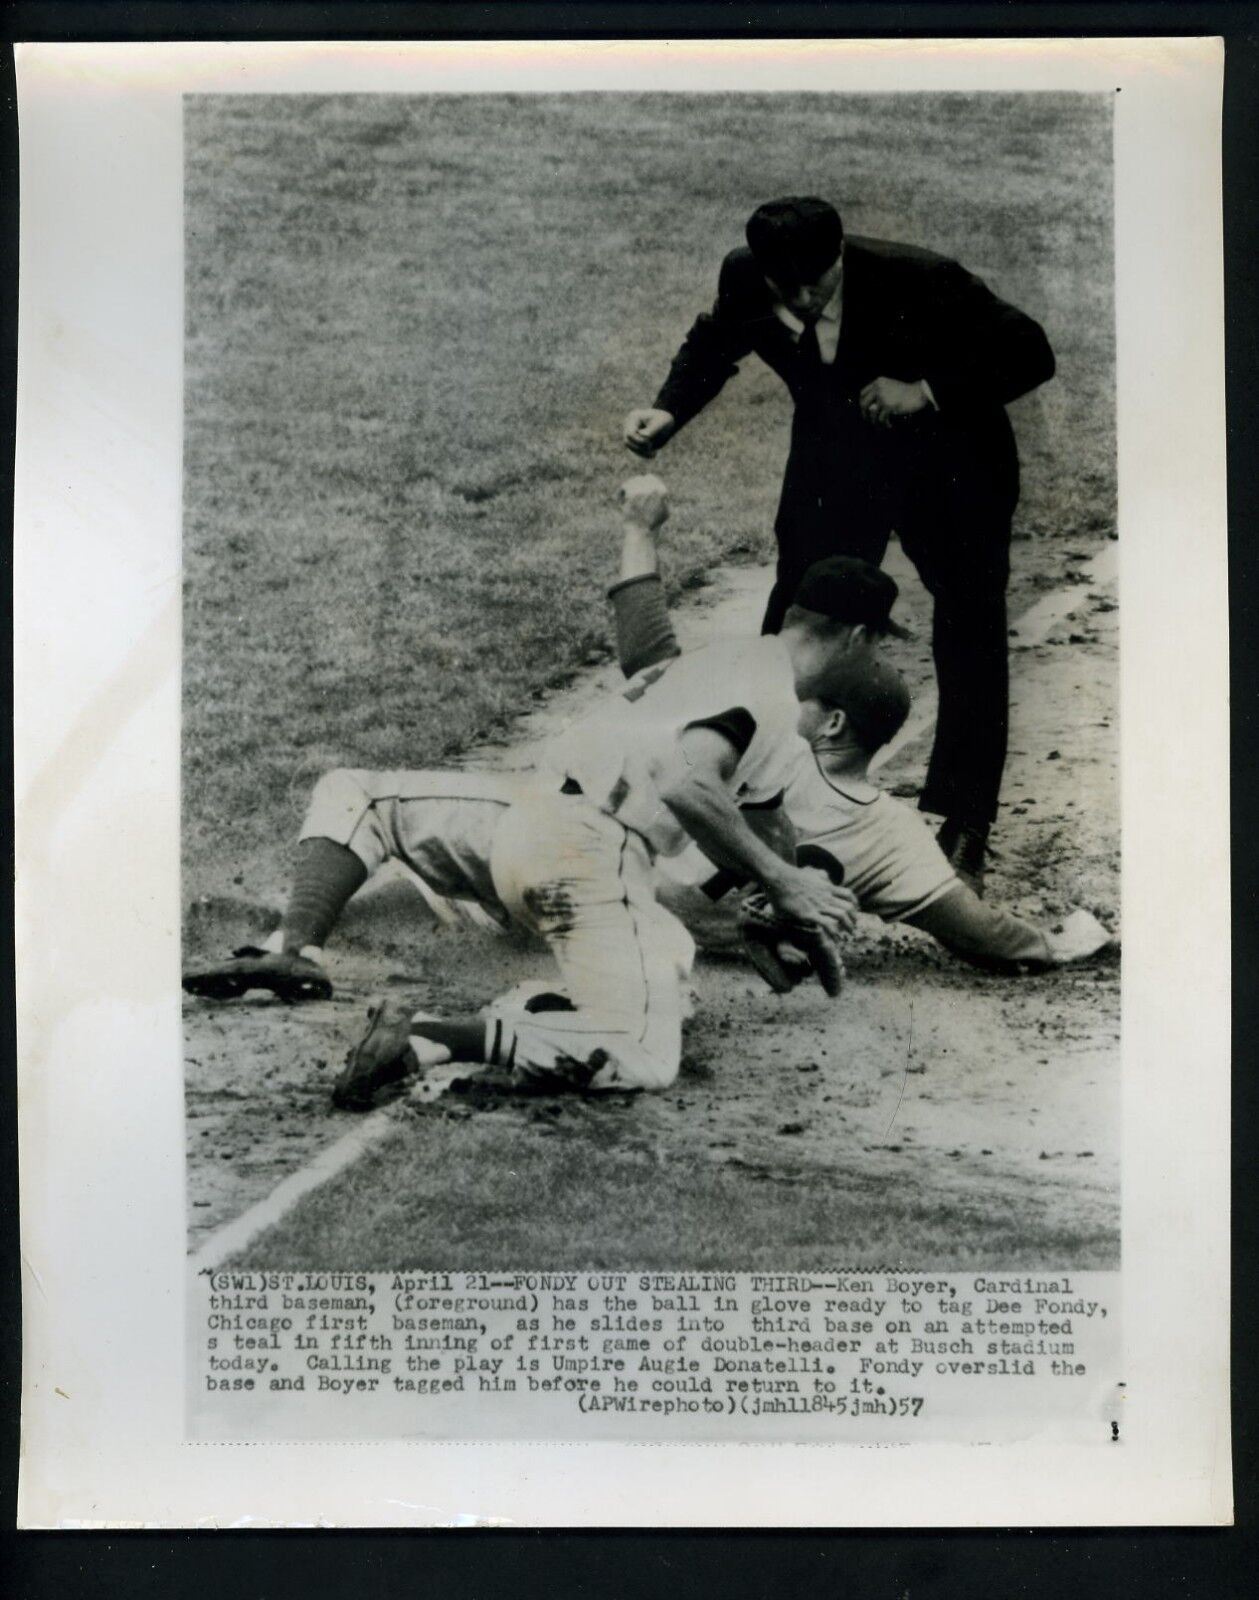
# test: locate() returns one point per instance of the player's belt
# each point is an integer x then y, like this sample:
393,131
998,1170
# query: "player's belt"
571,786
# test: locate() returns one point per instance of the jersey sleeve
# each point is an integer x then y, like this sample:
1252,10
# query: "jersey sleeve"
776,751
736,725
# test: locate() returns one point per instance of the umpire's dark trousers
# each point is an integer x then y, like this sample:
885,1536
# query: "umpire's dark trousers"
949,488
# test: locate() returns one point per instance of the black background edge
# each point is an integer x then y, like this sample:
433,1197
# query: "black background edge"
905,1565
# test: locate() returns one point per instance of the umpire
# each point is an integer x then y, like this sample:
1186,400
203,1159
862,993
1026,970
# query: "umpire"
900,364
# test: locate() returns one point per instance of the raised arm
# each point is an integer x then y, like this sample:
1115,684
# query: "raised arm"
644,633
974,349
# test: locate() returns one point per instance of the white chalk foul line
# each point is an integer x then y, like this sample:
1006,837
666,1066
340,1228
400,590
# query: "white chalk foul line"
1033,627
234,1236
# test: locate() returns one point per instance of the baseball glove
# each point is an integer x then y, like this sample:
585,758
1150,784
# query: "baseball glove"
787,953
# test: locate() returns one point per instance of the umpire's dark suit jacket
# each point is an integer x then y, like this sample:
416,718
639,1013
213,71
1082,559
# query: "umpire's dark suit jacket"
909,314
946,480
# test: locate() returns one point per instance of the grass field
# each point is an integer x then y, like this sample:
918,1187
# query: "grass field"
413,327
454,1181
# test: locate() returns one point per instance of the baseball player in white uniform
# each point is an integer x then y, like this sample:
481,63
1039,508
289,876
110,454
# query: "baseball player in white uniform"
862,836
443,827
670,759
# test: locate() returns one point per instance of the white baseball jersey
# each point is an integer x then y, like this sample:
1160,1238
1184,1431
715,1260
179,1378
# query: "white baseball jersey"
886,853
617,755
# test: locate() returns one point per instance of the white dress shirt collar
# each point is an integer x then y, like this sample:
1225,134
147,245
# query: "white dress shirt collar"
828,323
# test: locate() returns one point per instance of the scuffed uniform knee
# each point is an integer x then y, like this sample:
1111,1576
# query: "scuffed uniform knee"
342,808
637,1069
337,804
536,1034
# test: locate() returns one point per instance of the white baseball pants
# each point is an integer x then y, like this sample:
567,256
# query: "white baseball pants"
585,884
438,824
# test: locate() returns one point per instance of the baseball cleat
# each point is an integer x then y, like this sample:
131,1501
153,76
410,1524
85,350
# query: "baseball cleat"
289,976
381,1057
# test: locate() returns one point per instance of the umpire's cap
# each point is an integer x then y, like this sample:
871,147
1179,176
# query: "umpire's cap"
795,240
850,590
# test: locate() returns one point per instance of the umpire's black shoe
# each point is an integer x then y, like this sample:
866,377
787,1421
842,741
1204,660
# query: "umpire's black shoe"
967,851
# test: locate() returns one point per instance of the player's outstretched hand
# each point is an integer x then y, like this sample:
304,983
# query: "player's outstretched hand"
647,428
807,895
645,501
1079,937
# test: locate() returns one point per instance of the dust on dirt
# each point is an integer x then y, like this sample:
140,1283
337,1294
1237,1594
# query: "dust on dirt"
924,1071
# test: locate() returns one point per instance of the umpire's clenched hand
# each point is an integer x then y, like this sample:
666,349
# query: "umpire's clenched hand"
647,429
886,398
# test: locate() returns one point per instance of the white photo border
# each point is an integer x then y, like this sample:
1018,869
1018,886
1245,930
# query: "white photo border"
97,620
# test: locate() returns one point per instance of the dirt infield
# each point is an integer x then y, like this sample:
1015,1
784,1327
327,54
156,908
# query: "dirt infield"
397,532
979,1113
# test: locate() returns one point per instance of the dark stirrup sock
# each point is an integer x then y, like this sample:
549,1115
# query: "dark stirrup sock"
325,877
464,1037
644,631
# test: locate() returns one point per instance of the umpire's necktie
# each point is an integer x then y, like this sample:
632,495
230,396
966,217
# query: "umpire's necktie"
808,349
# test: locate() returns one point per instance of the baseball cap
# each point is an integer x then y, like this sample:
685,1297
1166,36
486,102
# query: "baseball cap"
850,590
796,239
876,702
